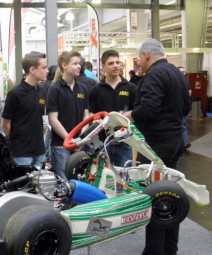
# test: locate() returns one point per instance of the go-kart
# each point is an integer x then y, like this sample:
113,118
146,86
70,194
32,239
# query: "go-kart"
40,213
167,187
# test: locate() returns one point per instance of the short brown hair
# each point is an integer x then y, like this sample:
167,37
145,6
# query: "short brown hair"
109,53
65,58
31,59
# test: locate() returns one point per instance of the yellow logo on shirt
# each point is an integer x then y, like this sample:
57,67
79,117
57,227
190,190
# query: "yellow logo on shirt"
80,95
42,101
124,93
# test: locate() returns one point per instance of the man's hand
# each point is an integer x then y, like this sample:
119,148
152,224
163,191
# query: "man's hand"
129,116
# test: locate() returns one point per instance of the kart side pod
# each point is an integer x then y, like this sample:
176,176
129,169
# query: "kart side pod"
84,193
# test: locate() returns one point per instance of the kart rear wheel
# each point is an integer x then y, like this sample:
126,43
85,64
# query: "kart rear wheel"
76,164
170,204
37,230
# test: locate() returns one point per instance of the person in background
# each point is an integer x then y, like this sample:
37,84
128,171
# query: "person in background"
113,94
162,102
47,137
46,84
88,70
22,115
133,77
83,78
67,106
185,119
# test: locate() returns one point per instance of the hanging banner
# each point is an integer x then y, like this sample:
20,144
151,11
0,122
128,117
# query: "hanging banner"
94,39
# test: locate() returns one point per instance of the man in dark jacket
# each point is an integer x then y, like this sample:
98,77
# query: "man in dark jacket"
162,102
133,77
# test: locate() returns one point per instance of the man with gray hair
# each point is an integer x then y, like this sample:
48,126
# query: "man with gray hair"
161,104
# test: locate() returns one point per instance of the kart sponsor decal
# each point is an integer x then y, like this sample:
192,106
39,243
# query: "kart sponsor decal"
26,248
98,227
134,217
95,132
167,193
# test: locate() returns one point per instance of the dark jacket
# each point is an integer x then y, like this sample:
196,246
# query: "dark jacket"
162,102
86,81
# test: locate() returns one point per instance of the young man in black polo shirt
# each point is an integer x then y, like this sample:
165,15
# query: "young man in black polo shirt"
67,106
113,94
23,110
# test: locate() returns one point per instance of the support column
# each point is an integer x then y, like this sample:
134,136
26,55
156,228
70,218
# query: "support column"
51,32
155,20
196,27
18,40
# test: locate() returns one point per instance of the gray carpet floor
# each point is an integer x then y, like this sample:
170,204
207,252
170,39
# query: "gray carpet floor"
193,240
202,146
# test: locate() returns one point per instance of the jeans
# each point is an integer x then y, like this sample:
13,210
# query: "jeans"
59,158
185,132
119,153
36,160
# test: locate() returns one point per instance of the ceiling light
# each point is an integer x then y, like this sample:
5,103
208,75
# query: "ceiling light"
96,1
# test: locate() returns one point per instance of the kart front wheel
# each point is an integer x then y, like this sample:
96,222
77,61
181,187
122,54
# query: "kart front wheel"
170,204
76,165
37,230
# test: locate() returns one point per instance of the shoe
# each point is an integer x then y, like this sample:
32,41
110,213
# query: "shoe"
187,145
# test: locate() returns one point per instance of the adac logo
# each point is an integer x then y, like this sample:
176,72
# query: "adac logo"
80,95
42,101
124,93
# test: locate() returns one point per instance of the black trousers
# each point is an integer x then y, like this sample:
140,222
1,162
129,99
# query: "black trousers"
163,242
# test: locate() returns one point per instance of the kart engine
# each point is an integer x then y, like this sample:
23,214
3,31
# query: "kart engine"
45,183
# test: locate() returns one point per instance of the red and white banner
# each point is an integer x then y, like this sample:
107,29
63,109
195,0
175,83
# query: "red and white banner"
94,39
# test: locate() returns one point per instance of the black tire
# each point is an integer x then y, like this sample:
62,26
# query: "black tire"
37,230
170,204
76,164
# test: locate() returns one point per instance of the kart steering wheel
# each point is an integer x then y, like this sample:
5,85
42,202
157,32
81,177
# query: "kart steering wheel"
71,144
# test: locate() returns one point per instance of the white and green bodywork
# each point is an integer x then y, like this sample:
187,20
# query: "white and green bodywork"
124,214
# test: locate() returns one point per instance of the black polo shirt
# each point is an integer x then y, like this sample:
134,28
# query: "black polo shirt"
24,106
70,105
103,97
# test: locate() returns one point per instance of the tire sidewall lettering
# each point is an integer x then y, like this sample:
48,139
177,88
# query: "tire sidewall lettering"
166,193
